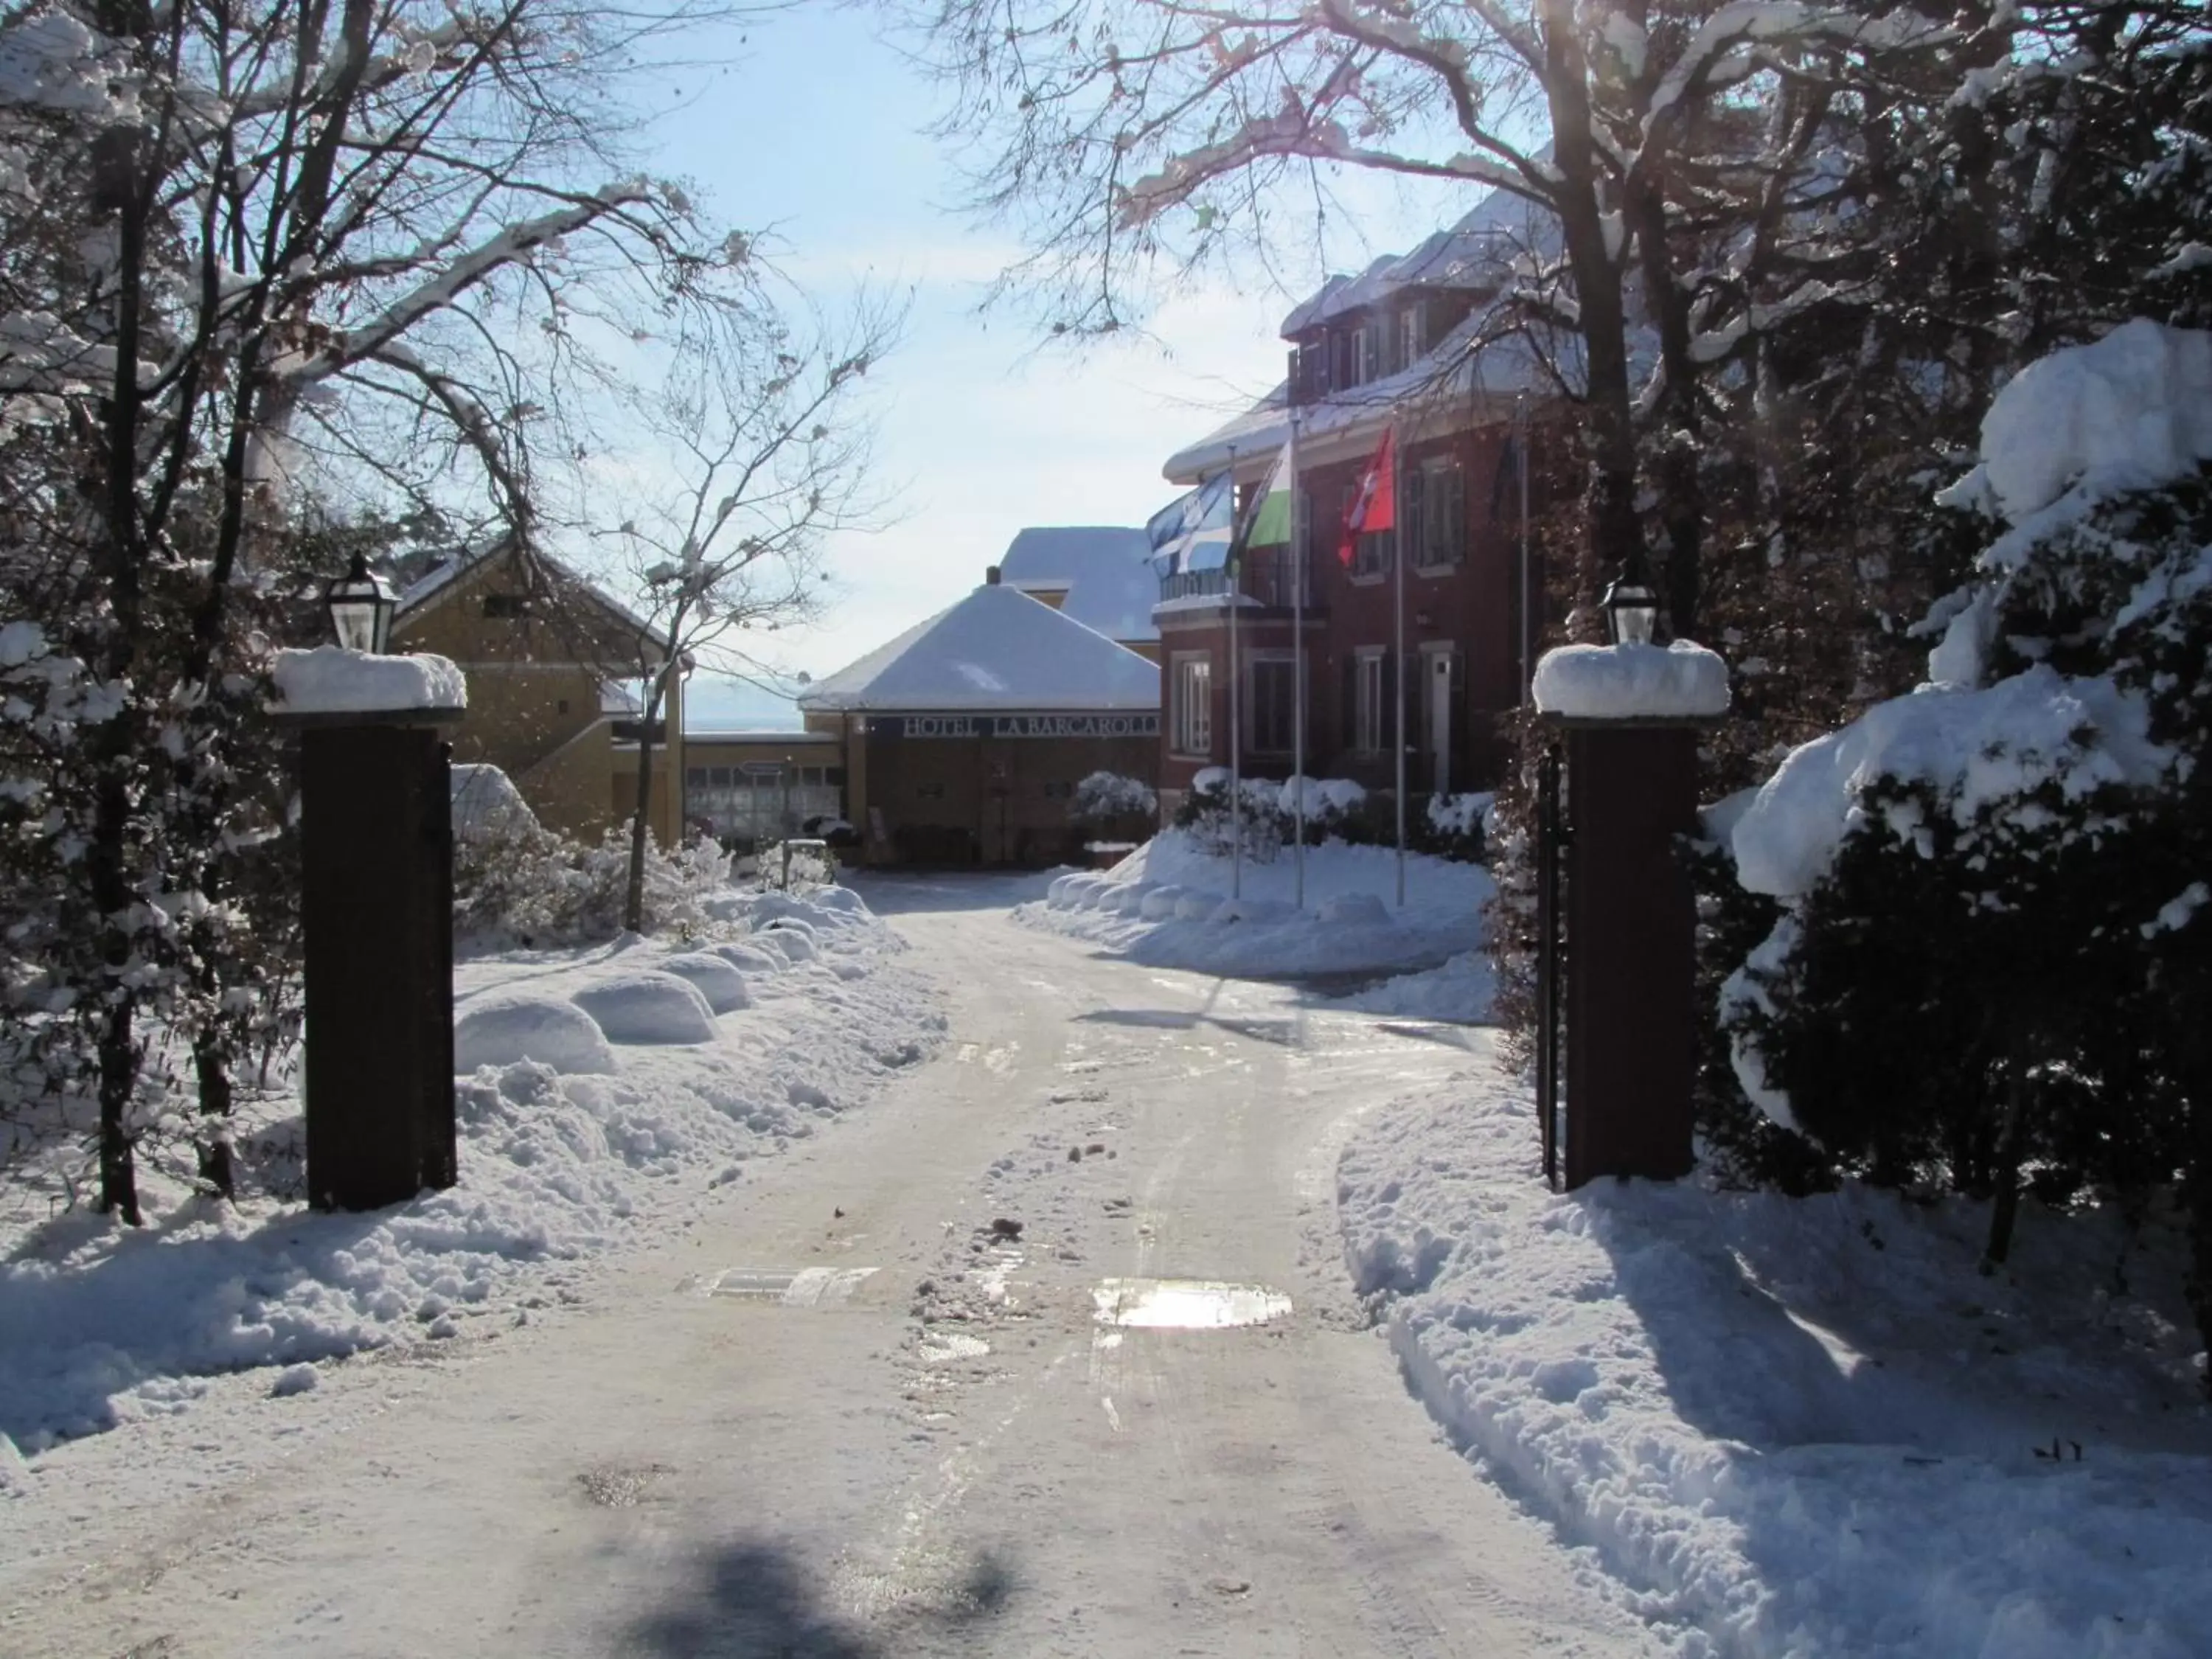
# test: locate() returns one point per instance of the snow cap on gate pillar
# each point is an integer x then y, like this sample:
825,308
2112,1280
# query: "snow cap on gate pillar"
1681,681
333,684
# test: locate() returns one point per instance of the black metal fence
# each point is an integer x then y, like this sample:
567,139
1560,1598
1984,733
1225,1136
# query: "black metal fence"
1552,836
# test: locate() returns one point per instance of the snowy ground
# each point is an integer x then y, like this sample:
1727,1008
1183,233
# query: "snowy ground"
642,1113
1052,1350
932,1383
1167,905
1803,1427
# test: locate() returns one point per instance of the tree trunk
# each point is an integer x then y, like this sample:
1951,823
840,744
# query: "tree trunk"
633,895
656,692
211,1067
1682,496
2197,1193
1615,531
117,186
2004,1209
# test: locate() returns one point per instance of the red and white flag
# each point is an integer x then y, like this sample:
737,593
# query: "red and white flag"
1376,507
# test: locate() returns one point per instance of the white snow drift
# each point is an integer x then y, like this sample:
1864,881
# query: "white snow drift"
650,1006
1167,905
571,1146
1801,1426
503,1029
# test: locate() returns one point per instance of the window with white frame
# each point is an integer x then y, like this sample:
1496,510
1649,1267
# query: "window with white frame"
1191,693
1367,705
1413,333
1271,704
1440,487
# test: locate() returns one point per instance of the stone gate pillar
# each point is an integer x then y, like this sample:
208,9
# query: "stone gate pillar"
1628,717
376,848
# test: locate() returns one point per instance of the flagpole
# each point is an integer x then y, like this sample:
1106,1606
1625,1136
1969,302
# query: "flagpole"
1236,705
1528,617
1398,610
1299,559
1236,734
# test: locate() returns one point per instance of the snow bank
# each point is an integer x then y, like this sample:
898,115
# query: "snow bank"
1979,746
487,804
797,943
1630,682
2130,411
504,1029
1803,1426
715,978
751,958
330,680
1352,910
1167,905
101,1324
1461,989
652,1006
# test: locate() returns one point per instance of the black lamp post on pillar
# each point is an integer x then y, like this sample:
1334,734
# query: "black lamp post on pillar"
1619,922
376,845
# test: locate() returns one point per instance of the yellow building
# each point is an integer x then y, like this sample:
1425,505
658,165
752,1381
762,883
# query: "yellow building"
551,662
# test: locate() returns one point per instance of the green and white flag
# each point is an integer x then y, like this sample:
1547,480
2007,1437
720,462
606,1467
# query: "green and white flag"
1267,520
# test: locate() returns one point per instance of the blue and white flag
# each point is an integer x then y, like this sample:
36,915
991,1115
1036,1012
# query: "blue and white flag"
1191,533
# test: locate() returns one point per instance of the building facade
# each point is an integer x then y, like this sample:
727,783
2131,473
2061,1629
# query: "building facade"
1402,347
550,661
963,738
749,788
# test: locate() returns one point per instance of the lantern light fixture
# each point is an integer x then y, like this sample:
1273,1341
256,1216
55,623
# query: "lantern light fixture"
1630,604
361,604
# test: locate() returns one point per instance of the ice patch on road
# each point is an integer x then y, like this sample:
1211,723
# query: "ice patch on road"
1185,1304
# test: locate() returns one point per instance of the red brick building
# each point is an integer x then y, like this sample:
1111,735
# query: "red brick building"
1393,346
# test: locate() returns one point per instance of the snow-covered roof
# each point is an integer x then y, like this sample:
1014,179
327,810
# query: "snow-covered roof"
1106,569
1476,252
997,649
435,581
1453,374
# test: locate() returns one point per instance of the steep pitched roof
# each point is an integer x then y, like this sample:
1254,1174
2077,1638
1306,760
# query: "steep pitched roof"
1447,382
1106,569
997,649
1476,252
435,583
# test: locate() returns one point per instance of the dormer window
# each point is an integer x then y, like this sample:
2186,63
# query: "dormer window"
1413,333
506,607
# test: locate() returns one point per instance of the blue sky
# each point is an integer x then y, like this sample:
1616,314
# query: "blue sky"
817,131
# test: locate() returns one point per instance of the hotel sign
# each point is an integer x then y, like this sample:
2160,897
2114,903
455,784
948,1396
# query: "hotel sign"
1013,725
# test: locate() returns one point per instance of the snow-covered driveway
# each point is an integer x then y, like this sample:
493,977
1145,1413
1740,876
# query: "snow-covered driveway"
839,1414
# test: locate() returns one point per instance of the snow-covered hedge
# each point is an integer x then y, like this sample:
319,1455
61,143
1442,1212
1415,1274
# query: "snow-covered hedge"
1336,809
525,884
1985,955
1104,797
